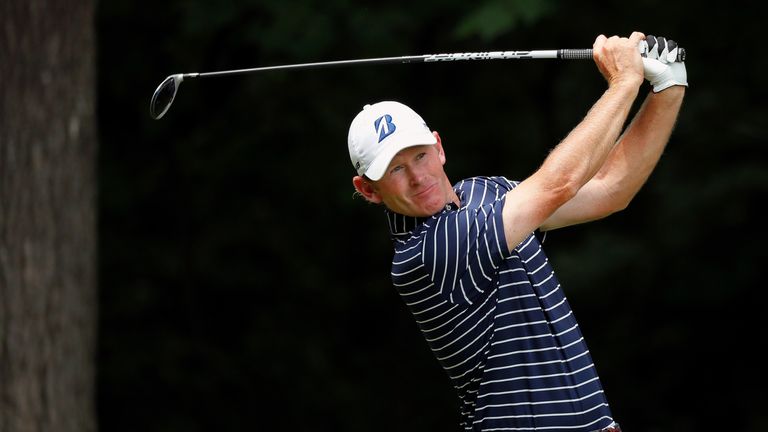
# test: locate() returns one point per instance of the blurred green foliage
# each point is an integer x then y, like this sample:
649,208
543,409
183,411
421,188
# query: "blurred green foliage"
492,19
243,287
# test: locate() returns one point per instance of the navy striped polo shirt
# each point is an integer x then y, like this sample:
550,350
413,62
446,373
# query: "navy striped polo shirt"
496,319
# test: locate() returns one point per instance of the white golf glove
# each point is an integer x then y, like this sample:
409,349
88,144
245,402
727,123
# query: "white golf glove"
660,64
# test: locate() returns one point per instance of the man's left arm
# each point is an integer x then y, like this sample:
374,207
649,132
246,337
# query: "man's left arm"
629,164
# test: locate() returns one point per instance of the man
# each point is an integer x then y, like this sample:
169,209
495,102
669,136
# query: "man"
468,260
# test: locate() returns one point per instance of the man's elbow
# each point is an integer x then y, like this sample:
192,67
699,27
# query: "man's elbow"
561,187
613,199
617,202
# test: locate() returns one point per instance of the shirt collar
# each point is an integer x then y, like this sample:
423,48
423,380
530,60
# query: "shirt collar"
401,225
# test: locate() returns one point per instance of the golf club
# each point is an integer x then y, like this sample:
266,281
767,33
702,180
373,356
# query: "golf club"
166,91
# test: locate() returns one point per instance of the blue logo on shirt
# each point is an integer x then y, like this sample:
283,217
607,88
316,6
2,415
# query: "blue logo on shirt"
384,128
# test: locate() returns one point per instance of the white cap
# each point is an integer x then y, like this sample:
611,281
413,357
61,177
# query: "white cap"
380,131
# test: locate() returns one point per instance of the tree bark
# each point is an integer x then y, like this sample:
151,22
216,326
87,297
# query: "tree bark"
47,216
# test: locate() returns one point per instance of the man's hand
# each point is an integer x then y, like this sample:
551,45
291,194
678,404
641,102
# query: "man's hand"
660,65
618,60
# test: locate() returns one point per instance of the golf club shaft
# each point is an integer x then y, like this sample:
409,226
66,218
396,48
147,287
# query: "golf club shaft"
566,54
166,91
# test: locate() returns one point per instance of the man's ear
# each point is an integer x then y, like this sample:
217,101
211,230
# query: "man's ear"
365,188
439,146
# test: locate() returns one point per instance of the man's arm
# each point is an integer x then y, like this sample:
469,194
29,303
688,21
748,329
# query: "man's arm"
628,166
584,151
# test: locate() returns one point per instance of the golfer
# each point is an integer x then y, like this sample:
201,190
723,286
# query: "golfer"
468,260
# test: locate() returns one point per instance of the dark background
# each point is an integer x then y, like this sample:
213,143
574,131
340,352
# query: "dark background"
243,287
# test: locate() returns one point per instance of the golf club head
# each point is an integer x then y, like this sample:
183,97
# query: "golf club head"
164,95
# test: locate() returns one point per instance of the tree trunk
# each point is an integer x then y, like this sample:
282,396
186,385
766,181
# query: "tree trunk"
47,216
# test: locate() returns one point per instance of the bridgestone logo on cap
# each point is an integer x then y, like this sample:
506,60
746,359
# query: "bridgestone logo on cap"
385,128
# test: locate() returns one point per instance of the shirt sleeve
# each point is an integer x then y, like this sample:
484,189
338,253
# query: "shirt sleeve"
463,250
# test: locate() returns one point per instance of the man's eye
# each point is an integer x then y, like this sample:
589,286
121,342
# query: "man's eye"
420,155
395,169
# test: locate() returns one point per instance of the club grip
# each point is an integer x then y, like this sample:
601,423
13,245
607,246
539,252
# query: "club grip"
586,54
575,54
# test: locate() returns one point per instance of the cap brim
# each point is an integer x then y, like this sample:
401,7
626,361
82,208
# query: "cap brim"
379,165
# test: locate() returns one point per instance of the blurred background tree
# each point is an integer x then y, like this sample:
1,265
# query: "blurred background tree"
47,216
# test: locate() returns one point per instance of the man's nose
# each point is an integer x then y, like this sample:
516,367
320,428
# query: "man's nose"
416,176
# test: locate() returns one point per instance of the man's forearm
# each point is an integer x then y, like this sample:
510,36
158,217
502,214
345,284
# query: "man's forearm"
585,150
638,150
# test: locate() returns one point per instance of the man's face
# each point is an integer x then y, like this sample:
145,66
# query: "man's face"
415,183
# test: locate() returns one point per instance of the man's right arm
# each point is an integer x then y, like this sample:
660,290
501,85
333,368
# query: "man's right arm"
582,153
